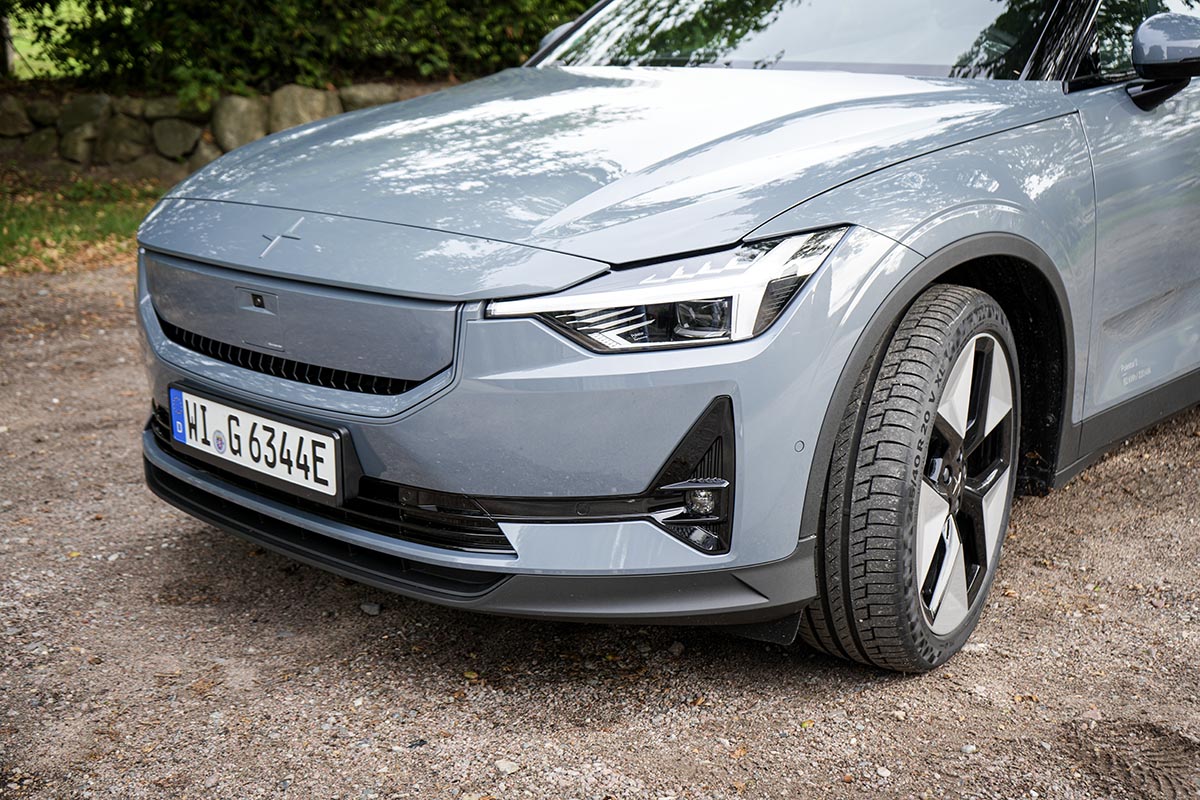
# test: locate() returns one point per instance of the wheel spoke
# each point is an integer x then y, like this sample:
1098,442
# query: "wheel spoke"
953,604
944,430
972,526
932,512
994,503
990,459
1000,392
956,397
952,550
981,521
982,374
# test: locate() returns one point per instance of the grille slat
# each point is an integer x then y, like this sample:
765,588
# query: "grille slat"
379,507
285,368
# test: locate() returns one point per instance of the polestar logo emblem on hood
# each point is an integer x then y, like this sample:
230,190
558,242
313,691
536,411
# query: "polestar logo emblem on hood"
290,233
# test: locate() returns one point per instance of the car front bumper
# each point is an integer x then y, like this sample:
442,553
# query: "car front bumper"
524,413
728,596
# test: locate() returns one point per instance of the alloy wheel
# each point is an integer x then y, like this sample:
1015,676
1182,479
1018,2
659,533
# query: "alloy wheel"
966,485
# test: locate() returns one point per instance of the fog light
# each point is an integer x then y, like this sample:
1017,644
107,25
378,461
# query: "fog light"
700,502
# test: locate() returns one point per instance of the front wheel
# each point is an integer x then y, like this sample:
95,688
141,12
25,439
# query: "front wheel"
920,487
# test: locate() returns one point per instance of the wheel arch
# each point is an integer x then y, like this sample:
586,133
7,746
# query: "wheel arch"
1025,282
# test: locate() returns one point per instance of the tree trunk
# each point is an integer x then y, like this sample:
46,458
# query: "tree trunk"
7,57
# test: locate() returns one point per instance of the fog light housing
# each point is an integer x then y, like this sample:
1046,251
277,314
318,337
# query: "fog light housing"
694,498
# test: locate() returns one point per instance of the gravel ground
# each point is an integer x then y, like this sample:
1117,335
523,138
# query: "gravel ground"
143,654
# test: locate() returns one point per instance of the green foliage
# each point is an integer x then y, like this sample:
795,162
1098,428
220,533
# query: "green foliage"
89,190
202,47
42,228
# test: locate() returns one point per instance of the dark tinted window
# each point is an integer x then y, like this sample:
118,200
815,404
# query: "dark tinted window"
1111,55
960,38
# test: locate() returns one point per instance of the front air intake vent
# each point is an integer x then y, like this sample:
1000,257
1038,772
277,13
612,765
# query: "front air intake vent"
285,368
699,477
438,519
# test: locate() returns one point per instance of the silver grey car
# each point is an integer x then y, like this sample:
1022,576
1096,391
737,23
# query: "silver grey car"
743,314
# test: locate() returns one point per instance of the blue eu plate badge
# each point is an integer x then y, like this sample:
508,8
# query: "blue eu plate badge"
177,416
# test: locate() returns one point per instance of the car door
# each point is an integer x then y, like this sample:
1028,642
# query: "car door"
1146,312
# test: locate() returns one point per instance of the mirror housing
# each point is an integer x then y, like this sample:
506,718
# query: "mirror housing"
553,36
1166,47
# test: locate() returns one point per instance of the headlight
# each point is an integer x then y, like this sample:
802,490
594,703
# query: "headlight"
686,303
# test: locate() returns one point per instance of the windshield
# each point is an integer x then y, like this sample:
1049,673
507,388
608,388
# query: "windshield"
954,38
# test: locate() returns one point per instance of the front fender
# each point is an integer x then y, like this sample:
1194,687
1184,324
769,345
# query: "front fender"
1026,193
1032,183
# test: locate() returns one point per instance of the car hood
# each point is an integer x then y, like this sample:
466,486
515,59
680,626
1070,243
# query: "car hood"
614,164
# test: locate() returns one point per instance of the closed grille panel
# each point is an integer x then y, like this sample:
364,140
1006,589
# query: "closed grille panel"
285,368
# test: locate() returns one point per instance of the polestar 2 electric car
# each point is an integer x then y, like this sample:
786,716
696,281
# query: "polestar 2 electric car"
748,314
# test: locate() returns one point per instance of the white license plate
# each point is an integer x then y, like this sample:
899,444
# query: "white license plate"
285,452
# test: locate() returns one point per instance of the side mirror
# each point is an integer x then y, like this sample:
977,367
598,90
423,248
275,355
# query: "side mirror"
1166,47
553,36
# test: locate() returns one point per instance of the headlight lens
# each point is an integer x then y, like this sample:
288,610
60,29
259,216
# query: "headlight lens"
711,300
686,322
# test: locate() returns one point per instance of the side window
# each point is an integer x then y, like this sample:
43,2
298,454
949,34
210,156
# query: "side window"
1109,58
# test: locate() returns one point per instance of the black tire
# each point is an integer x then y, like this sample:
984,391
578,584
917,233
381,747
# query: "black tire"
876,601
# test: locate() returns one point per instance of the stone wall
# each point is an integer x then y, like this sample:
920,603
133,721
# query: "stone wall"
156,138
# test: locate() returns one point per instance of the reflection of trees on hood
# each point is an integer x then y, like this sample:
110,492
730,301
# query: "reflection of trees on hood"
690,32
1004,47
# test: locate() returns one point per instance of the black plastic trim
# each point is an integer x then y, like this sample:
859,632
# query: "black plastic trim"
714,425
1150,94
451,522
1085,24
362,564
287,369
1102,432
540,54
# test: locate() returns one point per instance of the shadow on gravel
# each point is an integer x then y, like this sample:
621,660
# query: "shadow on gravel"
254,592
